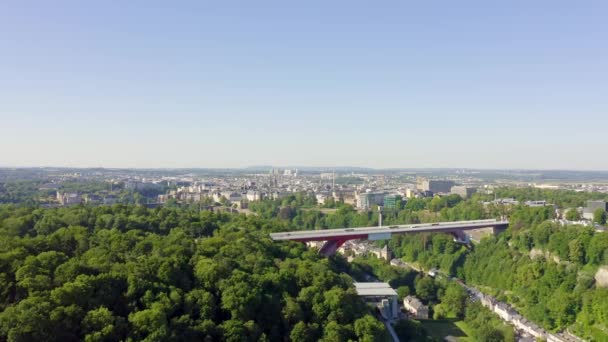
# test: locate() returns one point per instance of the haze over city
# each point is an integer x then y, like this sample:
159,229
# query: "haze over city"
233,84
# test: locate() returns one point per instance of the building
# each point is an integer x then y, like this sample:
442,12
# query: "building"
592,206
253,195
410,193
528,327
321,198
392,202
366,200
278,194
508,314
242,204
232,196
463,191
375,293
504,312
92,199
346,196
435,186
415,307
541,203
68,198
192,196
381,253
134,185
503,201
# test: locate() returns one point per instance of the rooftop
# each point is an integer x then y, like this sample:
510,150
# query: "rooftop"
413,301
374,289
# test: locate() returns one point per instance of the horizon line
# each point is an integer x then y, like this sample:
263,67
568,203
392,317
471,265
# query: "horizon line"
258,167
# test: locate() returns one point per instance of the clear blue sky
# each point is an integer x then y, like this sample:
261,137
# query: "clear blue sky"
482,84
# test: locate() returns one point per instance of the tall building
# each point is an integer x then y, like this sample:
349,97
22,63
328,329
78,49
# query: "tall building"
366,200
434,186
392,202
410,193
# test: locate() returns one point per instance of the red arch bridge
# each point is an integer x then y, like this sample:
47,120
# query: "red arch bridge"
334,238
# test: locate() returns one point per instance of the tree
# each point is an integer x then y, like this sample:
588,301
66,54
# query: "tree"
599,216
415,204
234,331
303,332
576,251
490,334
440,311
426,289
101,325
149,324
27,321
369,329
454,300
403,291
201,304
240,296
573,215
597,253
335,332
292,312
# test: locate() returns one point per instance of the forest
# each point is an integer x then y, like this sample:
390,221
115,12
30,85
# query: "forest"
125,272
130,273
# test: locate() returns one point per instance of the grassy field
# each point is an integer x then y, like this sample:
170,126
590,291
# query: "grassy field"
464,327
439,329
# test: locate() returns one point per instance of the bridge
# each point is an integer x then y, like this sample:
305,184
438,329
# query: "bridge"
334,238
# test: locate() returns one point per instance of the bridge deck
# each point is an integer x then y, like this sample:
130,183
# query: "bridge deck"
310,235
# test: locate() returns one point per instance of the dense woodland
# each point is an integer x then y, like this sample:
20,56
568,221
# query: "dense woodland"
131,273
178,273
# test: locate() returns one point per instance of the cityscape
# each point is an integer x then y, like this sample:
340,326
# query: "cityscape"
318,206
315,171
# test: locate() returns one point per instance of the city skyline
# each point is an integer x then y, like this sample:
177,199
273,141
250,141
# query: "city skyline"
467,85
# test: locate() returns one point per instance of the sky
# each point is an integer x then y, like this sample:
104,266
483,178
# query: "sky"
382,84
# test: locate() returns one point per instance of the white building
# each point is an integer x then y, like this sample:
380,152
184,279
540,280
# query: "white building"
253,195
503,311
415,307
69,198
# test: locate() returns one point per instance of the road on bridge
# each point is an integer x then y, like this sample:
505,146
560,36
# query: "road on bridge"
336,237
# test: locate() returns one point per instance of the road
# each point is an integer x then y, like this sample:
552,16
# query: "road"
391,331
326,234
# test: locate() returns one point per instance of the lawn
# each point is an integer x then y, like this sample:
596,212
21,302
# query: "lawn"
465,328
439,329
